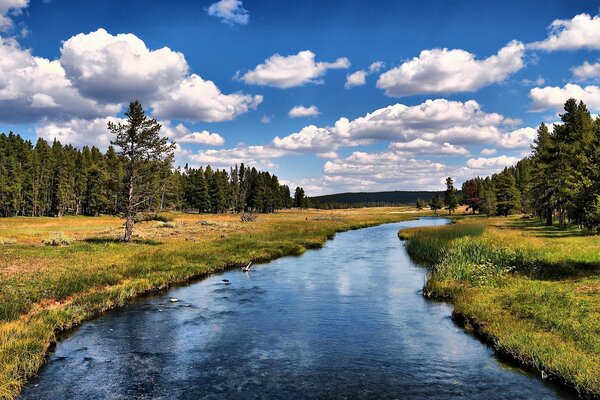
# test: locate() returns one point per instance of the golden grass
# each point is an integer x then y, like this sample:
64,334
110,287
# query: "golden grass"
47,289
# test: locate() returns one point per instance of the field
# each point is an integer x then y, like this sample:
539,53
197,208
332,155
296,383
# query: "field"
532,291
55,273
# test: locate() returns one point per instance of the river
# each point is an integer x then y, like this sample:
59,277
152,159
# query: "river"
343,322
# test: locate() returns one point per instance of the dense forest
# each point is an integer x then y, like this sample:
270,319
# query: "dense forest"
369,199
51,179
560,180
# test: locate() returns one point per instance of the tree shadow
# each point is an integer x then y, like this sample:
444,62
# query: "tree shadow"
100,240
539,229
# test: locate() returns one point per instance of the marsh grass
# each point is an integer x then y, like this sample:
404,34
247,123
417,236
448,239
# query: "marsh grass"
533,291
47,289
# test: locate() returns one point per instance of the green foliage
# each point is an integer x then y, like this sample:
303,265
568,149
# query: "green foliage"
57,239
436,203
450,196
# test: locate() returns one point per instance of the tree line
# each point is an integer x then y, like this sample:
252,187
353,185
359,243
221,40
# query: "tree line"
52,179
558,182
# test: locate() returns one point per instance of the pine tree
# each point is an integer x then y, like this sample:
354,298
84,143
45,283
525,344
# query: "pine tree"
143,150
508,198
437,203
450,196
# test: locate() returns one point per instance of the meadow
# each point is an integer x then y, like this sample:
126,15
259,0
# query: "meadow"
531,291
57,272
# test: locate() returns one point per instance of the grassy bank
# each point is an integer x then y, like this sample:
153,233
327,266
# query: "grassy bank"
47,289
532,291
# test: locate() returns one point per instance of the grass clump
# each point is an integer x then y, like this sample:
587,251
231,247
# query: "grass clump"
533,291
57,239
4,240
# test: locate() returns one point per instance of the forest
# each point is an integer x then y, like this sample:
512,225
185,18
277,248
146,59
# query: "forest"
52,179
559,181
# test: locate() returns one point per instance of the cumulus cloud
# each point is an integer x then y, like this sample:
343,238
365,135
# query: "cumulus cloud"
8,9
181,134
301,111
488,152
421,146
32,88
259,156
518,139
120,68
359,77
533,82
381,171
451,71
290,71
198,99
79,132
494,163
266,119
586,71
229,12
580,32
554,97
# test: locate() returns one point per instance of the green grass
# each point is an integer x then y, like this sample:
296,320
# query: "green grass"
48,289
533,291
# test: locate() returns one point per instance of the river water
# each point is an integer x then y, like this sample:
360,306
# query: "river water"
343,322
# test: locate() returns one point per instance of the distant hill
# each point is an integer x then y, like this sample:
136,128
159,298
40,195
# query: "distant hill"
381,198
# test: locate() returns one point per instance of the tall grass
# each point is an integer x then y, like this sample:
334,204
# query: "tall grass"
535,296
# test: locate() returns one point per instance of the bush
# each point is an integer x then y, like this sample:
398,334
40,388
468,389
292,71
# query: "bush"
57,239
248,217
166,225
4,240
152,216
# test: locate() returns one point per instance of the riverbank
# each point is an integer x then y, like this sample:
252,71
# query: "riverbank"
46,290
531,291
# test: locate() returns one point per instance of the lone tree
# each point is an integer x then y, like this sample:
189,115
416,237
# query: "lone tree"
144,152
420,204
436,203
450,196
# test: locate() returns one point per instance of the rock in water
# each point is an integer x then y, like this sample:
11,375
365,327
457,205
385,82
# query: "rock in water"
173,300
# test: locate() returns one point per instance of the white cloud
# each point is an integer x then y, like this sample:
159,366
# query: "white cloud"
421,146
32,88
120,68
488,152
518,139
359,77
198,99
230,12
182,134
266,119
79,132
494,163
554,97
533,82
586,71
289,71
8,9
451,71
301,111
438,121
581,32
259,156
386,170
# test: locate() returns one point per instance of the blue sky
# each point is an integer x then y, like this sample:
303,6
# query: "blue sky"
335,96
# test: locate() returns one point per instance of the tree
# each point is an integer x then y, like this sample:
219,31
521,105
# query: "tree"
144,151
299,200
450,196
508,198
436,203
471,192
420,204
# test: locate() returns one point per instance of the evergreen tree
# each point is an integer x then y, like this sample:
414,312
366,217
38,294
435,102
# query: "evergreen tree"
508,198
437,203
450,196
143,150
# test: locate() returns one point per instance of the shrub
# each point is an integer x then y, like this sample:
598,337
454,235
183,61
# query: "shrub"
152,216
168,225
57,239
248,217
